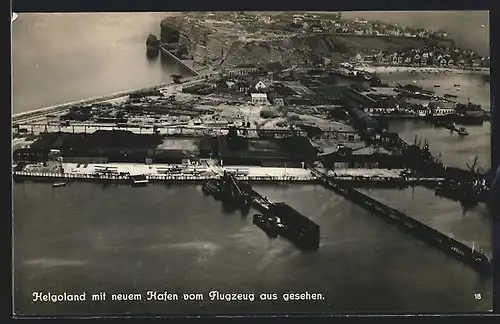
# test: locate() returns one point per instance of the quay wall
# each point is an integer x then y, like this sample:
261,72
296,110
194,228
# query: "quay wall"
354,181
159,177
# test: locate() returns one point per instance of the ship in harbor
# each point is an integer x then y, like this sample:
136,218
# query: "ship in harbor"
469,187
414,91
470,114
212,188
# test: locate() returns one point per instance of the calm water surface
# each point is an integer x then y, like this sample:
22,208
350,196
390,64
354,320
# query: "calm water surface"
59,58
120,239
90,238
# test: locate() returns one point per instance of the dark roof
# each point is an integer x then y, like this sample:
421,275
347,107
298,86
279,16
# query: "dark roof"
282,90
46,141
268,149
246,66
29,150
98,139
120,139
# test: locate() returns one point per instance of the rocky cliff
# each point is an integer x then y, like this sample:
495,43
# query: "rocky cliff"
211,47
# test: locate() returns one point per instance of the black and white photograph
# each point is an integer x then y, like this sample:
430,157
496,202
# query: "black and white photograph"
243,163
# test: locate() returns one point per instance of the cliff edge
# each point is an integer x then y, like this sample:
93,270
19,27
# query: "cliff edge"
220,42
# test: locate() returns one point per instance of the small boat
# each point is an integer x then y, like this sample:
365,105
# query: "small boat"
436,86
211,188
462,131
59,184
139,180
456,85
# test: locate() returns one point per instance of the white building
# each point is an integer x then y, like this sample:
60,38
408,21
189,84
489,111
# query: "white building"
260,86
421,111
242,71
259,99
379,110
442,108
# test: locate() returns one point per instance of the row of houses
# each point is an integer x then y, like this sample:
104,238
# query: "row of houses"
417,109
360,27
426,59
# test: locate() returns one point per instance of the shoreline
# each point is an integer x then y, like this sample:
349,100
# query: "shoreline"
116,95
113,96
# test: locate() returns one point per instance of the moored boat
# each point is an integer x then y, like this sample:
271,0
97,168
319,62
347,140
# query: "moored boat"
462,131
139,180
211,188
59,184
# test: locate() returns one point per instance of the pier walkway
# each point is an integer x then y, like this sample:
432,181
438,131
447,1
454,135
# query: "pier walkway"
478,260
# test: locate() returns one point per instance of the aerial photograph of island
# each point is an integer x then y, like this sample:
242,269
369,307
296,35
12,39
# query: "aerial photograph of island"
176,163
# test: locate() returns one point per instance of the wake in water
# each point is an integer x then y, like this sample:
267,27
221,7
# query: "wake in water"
203,246
274,255
55,262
